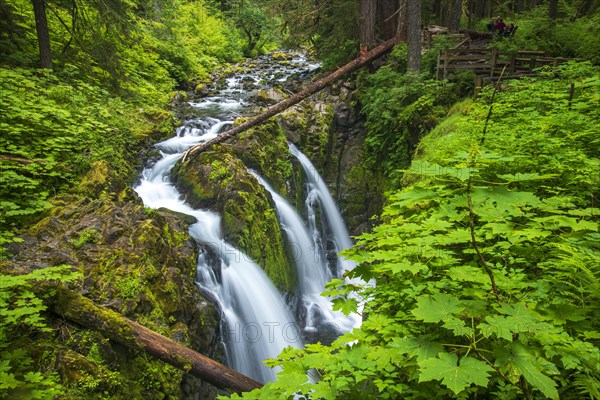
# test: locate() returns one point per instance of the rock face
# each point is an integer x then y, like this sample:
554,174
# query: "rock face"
138,262
218,179
328,128
270,96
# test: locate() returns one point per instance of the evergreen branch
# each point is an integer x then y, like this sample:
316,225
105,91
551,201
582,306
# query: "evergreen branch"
70,31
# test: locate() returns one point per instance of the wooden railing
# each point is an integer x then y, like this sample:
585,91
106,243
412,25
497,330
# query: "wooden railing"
490,63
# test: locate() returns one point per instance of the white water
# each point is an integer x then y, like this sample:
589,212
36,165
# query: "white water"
256,322
318,195
313,272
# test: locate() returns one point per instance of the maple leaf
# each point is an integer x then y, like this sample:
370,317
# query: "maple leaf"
437,307
518,360
454,374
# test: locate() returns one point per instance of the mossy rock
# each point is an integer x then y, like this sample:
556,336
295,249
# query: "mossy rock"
310,126
265,149
270,96
138,262
101,179
218,180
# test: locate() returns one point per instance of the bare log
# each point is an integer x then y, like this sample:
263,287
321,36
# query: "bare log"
298,97
81,310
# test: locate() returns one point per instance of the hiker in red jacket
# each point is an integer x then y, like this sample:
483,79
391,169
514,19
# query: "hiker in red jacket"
500,26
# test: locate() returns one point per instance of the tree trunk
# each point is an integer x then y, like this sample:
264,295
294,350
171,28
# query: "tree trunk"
414,35
387,17
43,35
439,12
586,7
368,16
472,7
77,308
553,9
297,98
402,29
454,14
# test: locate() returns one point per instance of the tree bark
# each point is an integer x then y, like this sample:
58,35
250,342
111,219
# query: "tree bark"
454,14
43,34
296,98
553,9
402,29
81,310
15,159
414,35
368,16
387,17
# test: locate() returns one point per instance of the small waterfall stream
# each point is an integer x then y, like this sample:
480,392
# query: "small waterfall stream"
256,322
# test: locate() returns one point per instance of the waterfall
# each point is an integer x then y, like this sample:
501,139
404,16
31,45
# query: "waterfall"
309,251
313,273
257,323
318,195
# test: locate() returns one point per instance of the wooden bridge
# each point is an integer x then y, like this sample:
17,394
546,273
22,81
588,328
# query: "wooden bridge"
489,63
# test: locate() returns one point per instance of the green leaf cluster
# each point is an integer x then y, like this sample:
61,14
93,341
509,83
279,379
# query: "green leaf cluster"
21,313
400,109
51,134
483,277
138,49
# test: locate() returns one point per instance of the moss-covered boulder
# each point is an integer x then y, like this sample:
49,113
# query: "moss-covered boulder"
270,96
218,179
138,262
309,125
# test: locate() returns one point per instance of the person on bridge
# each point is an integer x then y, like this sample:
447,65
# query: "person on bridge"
500,26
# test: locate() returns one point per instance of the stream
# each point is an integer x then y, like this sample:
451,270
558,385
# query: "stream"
256,321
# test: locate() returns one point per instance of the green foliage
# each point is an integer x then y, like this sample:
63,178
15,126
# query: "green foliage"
87,236
400,109
255,25
51,134
330,28
139,50
568,36
20,313
485,272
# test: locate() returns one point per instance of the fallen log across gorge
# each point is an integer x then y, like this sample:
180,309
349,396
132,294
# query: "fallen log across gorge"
311,89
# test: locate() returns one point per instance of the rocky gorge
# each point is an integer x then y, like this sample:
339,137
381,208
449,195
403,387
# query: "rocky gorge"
141,262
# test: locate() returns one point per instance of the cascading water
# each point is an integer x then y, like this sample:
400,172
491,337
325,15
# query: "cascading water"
256,322
318,195
313,272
